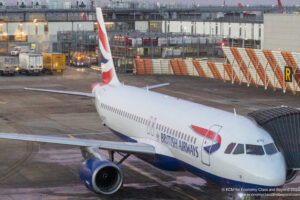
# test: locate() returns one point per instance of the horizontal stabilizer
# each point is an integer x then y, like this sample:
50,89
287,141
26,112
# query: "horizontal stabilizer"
62,92
156,86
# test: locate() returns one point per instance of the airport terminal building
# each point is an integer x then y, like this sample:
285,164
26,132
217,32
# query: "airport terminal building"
144,30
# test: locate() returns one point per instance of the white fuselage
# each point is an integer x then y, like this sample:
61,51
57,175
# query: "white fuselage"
166,123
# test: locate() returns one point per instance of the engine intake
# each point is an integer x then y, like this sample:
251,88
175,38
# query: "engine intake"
101,176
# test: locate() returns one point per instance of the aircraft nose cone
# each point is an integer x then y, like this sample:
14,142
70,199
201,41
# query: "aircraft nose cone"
276,176
275,172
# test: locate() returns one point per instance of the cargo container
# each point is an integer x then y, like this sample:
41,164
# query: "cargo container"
139,42
162,41
195,40
187,40
54,62
8,65
202,40
146,41
179,40
173,40
30,63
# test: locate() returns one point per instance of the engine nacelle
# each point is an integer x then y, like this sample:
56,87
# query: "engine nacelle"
290,175
101,176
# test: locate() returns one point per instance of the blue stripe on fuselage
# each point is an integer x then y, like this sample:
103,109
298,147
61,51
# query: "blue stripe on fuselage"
172,164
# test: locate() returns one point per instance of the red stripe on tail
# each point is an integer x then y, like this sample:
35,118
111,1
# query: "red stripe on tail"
102,37
107,76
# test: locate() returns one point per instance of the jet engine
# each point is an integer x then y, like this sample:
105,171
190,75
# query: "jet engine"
101,176
290,175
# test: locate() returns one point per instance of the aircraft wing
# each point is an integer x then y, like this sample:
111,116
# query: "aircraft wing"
128,147
62,92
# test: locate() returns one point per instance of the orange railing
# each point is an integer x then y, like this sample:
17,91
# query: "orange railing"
276,69
214,70
199,68
289,59
259,68
144,66
242,65
182,67
231,73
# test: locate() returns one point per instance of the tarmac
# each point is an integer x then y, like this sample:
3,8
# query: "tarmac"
45,171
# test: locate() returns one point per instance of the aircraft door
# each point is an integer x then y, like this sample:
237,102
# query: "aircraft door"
151,126
209,143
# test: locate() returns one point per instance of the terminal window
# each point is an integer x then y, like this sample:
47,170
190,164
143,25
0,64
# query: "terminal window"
1,28
36,29
20,27
46,27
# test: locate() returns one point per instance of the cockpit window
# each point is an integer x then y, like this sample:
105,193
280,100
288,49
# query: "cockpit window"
229,148
270,149
254,149
239,149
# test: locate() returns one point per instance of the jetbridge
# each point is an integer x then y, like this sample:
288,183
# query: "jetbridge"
283,123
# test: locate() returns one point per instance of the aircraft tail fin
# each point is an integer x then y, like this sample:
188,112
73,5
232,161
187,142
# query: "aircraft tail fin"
280,6
109,75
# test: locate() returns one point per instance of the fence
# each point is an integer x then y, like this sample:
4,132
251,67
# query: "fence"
241,65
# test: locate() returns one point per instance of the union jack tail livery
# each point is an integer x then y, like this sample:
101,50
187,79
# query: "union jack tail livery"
108,70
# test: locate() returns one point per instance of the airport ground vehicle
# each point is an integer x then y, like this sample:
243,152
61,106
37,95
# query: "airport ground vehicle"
30,63
20,49
54,62
8,65
80,60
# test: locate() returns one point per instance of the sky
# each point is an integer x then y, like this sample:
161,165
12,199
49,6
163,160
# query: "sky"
230,2
190,2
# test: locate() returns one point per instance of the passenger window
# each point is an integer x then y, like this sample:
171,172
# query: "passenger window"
229,148
239,149
254,149
270,149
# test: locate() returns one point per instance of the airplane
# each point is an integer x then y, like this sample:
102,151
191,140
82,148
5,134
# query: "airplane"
170,133
281,10
240,5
